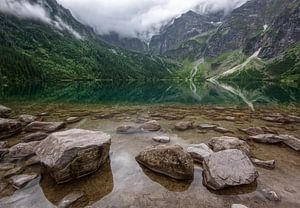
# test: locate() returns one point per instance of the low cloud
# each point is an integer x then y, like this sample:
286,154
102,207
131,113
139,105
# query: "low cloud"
143,18
25,10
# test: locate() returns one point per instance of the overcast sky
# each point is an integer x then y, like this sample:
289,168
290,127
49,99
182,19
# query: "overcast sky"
132,17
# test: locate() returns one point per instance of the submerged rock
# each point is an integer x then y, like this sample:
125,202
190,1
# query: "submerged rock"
71,120
19,181
150,126
270,194
228,168
238,206
45,126
269,164
27,119
9,127
38,136
74,153
74,200
223,143
184,125
127,129
252,131
207,126
161,139
199,152
172,161
4,111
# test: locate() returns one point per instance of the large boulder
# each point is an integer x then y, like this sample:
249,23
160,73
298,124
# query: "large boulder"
4,111
172,161
9,127
223,143
45,126
199,152
228,168
73,153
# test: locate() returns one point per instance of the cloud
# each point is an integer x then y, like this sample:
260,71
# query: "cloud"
132,18
24,9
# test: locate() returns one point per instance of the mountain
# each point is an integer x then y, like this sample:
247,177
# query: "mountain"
51,44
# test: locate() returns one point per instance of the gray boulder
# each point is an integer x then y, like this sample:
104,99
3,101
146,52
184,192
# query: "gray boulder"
45,126
199,152
172,161
73,153
9,127
228,168
223,143
22,150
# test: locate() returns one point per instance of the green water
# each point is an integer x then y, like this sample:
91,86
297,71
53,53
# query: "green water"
163,92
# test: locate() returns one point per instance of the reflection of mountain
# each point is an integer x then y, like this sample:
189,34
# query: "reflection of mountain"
157,92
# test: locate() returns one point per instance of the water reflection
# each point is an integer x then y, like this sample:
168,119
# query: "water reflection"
219,93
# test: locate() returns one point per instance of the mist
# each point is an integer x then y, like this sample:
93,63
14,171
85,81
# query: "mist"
139,18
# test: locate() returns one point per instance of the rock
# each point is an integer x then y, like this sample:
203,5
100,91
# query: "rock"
223,143
184,125
75,199
32,161
4,111
289,140
3,185
74,153
9,127
19,181
222,130
6,166
270,195
22,150
161,139
150,126
252,131
3,144
238,206
172,161
230,118
199,152
228,168
207,126
127,129
71,120
278,118
38,136
3,152
44,114
27,119
14,171
269,164
45,126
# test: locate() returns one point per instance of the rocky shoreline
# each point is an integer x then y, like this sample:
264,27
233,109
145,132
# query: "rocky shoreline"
67,153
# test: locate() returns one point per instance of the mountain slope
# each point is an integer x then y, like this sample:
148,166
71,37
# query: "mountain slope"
59,47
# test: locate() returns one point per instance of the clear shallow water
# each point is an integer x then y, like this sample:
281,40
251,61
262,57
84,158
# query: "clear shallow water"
240,94
122,182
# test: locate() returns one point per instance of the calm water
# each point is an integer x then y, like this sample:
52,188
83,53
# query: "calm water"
254,93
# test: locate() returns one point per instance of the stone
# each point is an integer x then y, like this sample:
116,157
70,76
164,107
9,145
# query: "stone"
161,139
230,118
37,136
45,126
19,181
22,150
4,111
184,125
127,129
3,144
9,127
27,119
207,126
32,161
172,161
3,152
199,152
270,195
238,206
6,166
74,153
150,126
228,168
73,200
3,185
291,141
74,119
222,130
269,164
14,171
252,131
278,118
224,143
